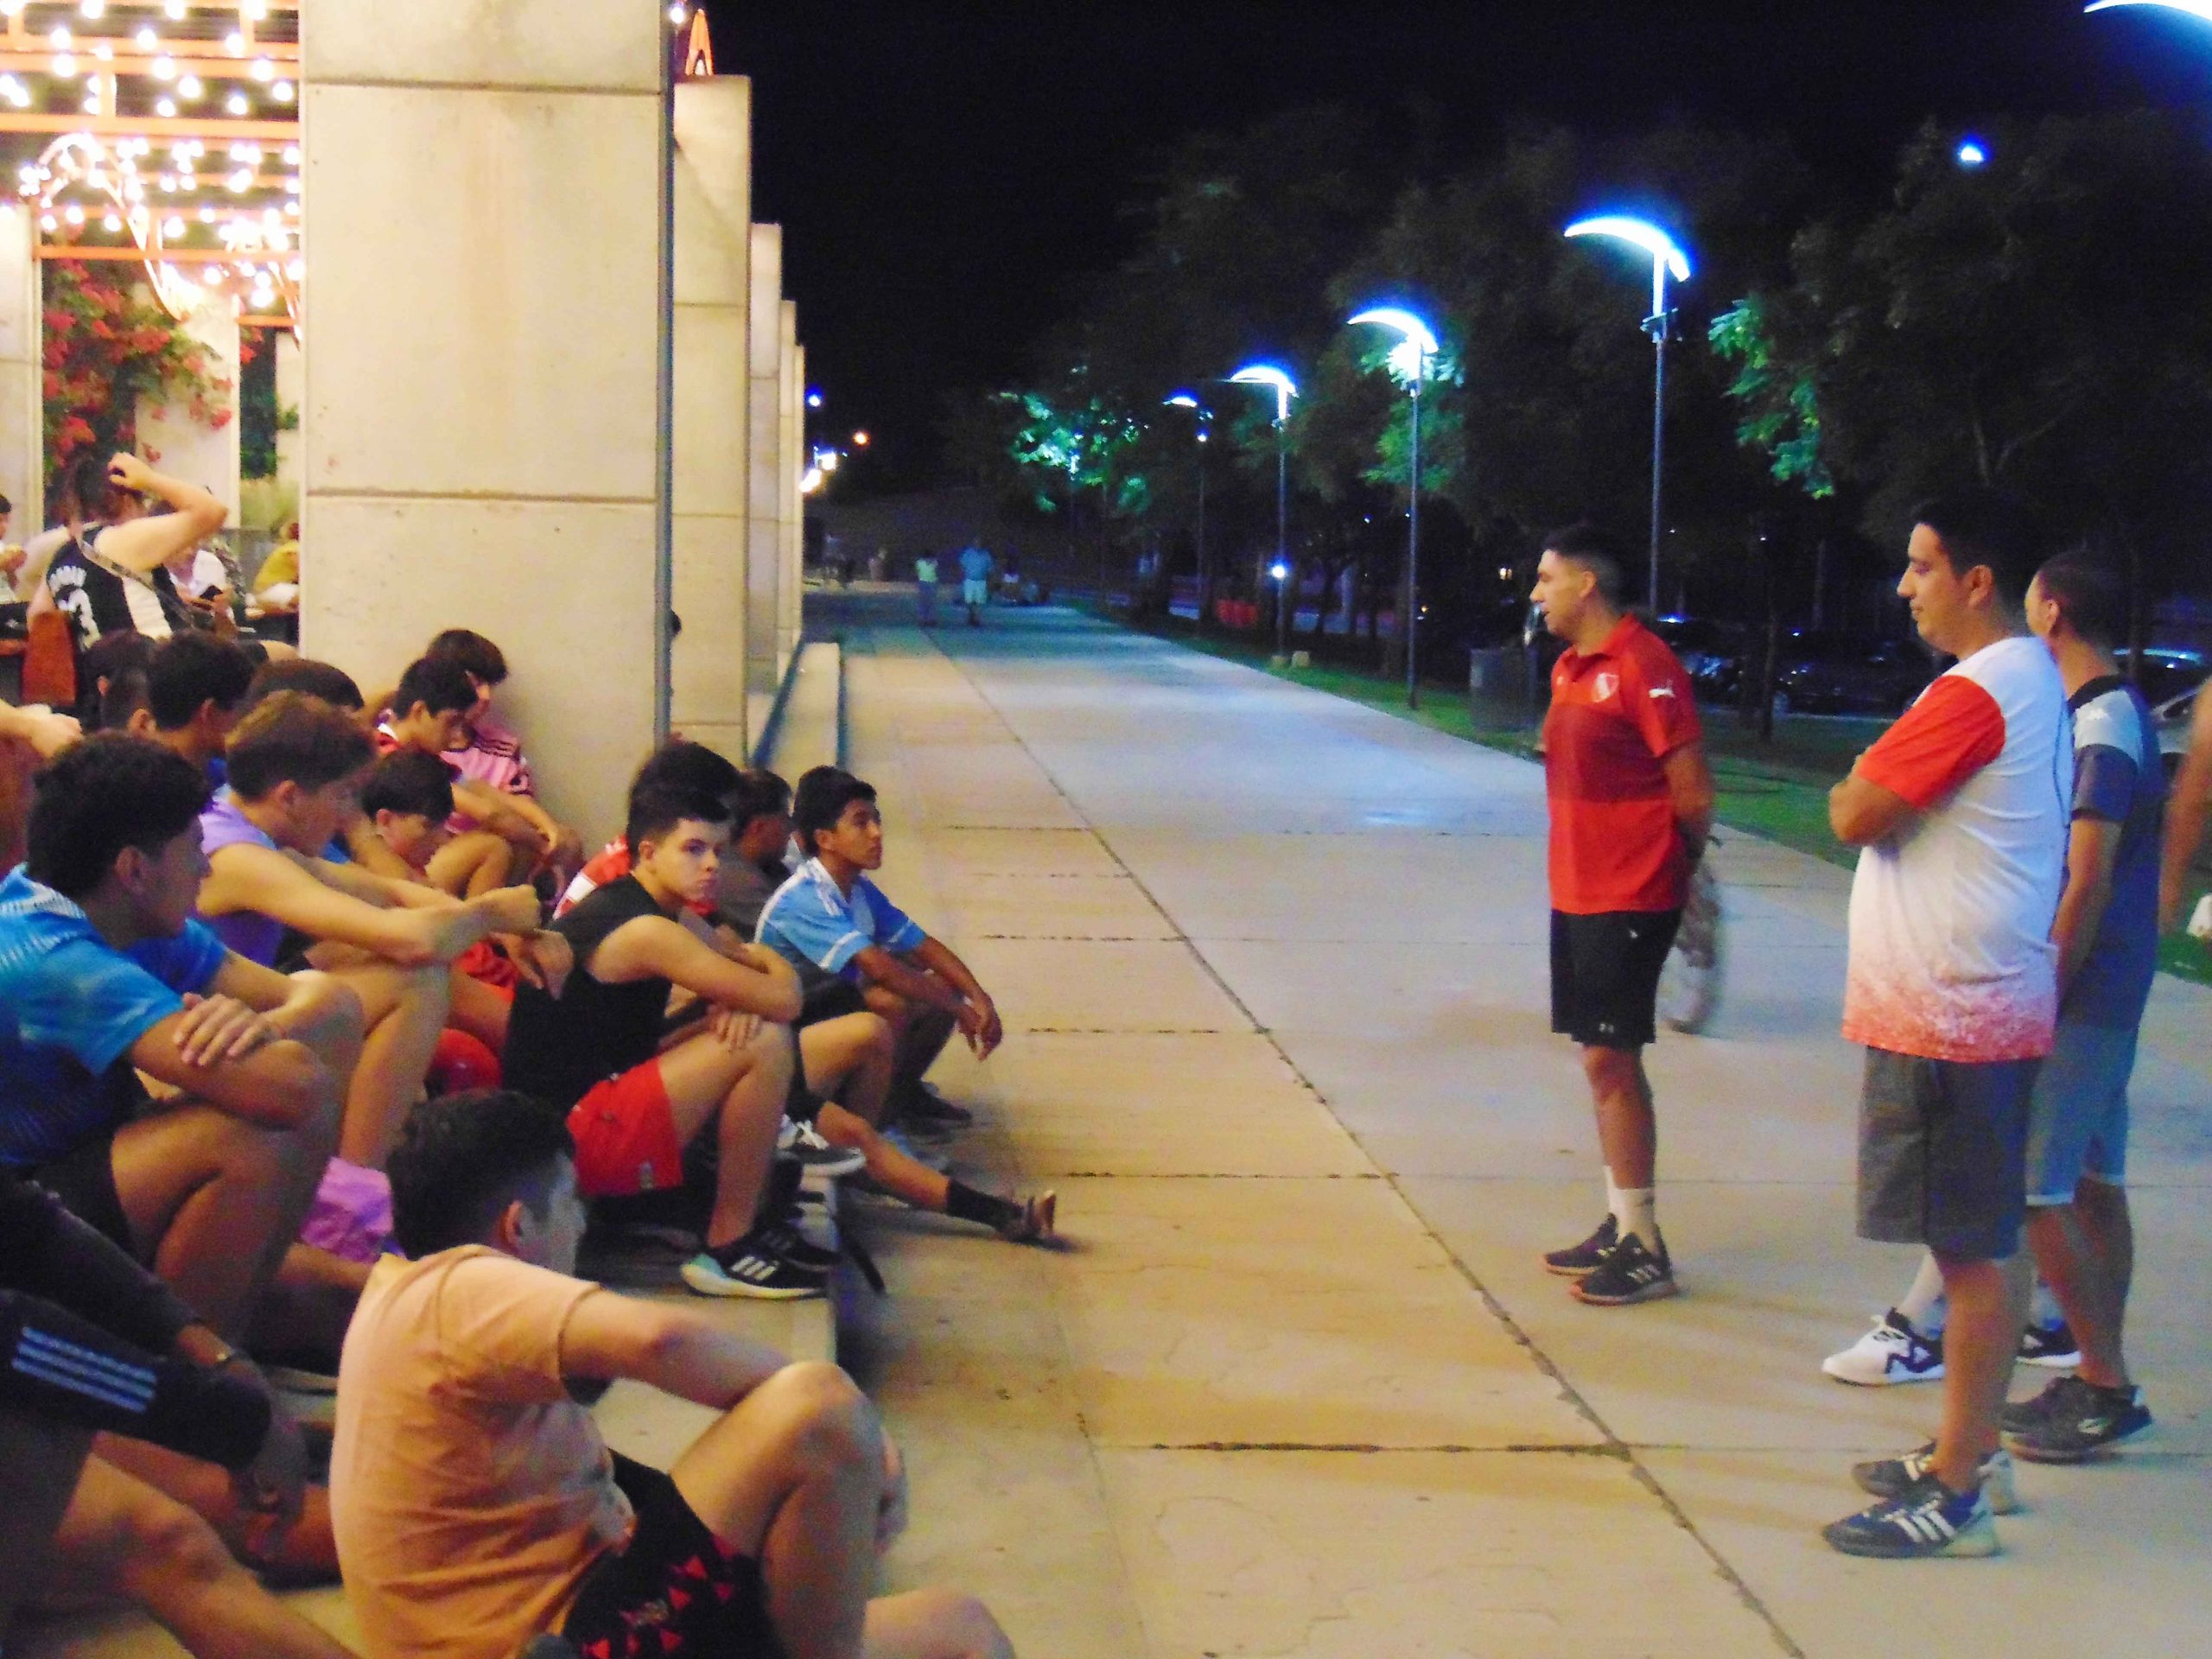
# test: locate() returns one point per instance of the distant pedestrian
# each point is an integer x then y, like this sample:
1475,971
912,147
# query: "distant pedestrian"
1631,803
1960,809
974,581
926,589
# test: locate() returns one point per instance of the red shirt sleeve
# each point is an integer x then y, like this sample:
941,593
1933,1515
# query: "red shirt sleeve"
1953,732
1661,703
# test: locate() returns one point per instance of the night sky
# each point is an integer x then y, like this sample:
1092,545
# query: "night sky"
943,170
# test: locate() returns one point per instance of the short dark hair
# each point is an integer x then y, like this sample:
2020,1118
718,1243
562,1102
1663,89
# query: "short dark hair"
821,799
325,680
192,669
759,794
6,505
462,1159
408,780
1598,550
439,684
475,654
2090,593
654,812
1989,528
121,658
682,765
292,738
96,798
85,486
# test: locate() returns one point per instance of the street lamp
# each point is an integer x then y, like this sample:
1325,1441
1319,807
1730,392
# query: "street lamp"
1266,374
2201,8
1186,400
1410,360
1972,153
1666,258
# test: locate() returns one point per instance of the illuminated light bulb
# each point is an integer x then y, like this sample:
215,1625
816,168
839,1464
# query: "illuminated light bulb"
165,108
235,43
292,207
255,10
48,222
103,52
111,223
291,155
174,10
65,65
92,8
292,186
235,104
168,183
296,269
164,69
73,214
93,102
189,86
282,91
240,182
263,70
172,226
676,14
207,215
146,40
59,40
20,97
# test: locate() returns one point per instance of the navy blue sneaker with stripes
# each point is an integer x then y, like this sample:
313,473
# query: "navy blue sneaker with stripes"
2074,1420
1924,1521
753,1266
1893,1477
1626,1273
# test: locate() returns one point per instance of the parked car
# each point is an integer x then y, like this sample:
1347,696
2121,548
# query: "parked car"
1712,653
2168,671
1847,674
2171,721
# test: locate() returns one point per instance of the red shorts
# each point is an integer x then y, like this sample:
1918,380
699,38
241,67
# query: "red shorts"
625,1136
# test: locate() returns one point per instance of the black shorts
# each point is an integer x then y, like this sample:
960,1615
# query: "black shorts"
1943,1153
1606,975
85,1182
674,1590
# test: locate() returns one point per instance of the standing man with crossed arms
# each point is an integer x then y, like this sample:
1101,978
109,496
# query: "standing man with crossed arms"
1631,805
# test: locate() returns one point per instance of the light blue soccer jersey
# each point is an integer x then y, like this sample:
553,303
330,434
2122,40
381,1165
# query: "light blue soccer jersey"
2118,777
816,927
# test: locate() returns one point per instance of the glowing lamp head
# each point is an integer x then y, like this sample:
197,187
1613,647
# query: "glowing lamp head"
1415,332
2189,8
1267,374
814,400
859,440
1280,571
1181,400
1639,233
1972,153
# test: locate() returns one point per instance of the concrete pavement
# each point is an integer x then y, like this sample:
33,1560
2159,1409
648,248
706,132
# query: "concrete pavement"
1273,970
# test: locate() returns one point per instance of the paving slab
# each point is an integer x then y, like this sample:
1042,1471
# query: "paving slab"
1117,985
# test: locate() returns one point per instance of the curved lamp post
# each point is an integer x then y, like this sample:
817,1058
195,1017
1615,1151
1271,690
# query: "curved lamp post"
2199,9
1410,360
1186,400
1667,258
1266,374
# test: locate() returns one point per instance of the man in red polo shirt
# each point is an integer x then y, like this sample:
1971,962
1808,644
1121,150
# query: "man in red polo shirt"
1631,801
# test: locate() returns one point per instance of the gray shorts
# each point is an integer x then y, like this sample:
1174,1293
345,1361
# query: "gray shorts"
2077,1117
1942,1154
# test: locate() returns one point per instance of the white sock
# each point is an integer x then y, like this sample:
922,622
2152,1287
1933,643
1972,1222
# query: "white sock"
2045,1311
1633,1211
1923,1303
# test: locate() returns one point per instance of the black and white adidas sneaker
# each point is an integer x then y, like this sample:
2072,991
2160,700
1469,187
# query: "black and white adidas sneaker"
1627,1273
753,1266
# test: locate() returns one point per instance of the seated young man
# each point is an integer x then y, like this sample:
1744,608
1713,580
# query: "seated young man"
109,575
832,923
760,830
296,763
104,975
476,1504
430,711
195,686
99,1359
490,753
637,1093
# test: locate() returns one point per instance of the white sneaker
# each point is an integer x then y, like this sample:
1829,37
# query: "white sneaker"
1892,1352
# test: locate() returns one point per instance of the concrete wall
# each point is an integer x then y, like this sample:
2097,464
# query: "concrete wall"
480,447
714,218
175,441
766,462
790,528
22,413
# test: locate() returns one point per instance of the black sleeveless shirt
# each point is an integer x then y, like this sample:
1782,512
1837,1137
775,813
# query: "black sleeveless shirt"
560,1051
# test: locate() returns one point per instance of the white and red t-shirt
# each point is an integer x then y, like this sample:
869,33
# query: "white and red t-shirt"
1951,956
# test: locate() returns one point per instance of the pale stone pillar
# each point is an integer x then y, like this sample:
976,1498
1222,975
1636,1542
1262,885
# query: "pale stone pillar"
482,376
291,393
23,378
765,461
714,237
792,526
173,441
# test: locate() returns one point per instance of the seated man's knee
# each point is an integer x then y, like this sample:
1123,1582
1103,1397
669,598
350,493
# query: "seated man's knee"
339,1023
120,1531
822,1411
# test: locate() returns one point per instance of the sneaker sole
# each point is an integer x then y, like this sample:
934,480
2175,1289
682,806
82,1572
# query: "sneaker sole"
1570,1273
2027,1452
1652,1292
1884,1380
2053,1362
736,1289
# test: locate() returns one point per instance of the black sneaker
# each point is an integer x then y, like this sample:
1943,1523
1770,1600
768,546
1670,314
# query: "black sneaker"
784,1238
1895,1477
1578,1260
1926,1520
2051,1345
1627,1273
751,1268
806,1147
926,1108
2072,1421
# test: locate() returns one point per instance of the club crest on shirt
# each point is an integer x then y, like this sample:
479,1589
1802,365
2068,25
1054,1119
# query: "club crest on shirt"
1604,686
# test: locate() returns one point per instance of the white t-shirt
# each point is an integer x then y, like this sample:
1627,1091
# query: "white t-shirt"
1951,955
